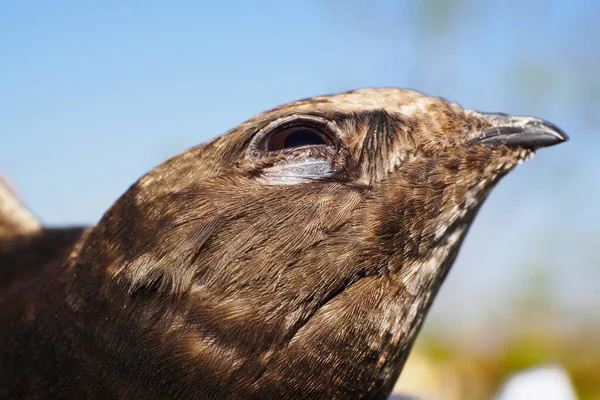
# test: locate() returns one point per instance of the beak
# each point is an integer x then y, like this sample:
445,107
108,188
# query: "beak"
526,132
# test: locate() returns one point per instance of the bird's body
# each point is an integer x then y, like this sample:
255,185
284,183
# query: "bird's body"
293,257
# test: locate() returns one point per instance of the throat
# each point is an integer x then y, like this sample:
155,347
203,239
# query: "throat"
428,275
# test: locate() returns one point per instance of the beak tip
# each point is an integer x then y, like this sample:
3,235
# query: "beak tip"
548,133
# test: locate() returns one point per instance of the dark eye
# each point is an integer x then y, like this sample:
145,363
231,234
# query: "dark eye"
296,131
295,137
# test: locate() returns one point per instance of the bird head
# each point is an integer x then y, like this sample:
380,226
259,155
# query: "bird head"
311,239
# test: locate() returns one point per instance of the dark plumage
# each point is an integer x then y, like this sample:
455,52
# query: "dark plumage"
293,257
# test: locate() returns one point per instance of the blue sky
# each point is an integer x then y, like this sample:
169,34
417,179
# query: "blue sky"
94,94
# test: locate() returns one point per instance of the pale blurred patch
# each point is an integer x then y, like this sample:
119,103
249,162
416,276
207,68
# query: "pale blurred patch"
548,383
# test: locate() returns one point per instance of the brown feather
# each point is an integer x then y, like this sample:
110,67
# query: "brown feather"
233,272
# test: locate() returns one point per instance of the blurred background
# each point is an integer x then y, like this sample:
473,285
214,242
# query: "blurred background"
95,94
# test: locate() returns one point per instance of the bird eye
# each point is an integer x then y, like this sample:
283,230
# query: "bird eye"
296,132
319,142
295,137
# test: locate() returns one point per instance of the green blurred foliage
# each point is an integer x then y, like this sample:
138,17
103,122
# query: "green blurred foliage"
532,337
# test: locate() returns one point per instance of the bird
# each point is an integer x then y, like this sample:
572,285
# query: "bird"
294,257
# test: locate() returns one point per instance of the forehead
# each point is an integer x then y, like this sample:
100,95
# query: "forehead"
393,101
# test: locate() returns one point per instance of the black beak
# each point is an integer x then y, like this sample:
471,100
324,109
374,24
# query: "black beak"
527,132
